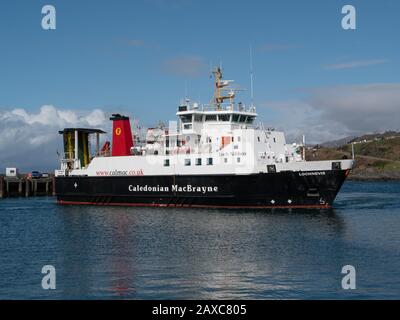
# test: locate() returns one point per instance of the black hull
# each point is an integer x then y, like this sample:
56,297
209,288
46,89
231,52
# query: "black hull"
263,190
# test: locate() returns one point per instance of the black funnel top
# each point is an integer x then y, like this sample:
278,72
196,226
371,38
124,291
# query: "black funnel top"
117,116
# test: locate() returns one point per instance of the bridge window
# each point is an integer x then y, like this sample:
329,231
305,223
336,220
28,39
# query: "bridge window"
198,117
187,162
198,162
211,117
224,117
209,161
336,166
249,120
186,118
187,126
235,117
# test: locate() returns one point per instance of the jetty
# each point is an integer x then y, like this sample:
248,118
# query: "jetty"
25,186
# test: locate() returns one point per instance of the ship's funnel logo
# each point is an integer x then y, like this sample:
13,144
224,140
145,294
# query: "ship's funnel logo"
122,140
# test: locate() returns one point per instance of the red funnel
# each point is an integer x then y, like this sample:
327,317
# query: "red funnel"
122,141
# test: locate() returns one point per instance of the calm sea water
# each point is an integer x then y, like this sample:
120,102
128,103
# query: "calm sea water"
148,253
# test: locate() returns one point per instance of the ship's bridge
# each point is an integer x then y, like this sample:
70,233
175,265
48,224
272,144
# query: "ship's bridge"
222,112
193,117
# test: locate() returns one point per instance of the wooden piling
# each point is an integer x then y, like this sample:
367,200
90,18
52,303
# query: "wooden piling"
20,187
1,187
54,186
27,188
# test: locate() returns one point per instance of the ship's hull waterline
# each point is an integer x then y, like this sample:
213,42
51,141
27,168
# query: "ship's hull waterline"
264,190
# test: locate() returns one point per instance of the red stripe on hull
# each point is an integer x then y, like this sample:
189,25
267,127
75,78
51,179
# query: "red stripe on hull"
322,206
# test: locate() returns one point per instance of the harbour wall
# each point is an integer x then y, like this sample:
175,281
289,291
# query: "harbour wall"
26,187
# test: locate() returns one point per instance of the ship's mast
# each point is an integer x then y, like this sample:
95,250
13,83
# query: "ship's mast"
219,85
217,90
251,77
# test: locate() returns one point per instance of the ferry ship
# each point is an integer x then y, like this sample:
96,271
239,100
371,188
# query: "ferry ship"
215,156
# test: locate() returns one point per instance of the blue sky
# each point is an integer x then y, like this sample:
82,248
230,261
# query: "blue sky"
140,57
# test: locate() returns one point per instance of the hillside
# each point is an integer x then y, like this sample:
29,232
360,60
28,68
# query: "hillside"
375,159
376,136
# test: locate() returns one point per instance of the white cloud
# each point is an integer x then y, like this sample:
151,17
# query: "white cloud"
355,64
270,47
135,43
95,118
140,43
188,66
338,111
30,140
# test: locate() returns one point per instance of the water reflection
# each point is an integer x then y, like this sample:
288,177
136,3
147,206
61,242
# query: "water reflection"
186,253
103,252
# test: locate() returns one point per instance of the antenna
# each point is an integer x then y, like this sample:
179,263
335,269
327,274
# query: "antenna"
186,89
251,77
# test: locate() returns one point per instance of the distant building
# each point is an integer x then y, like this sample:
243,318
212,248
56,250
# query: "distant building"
11,172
